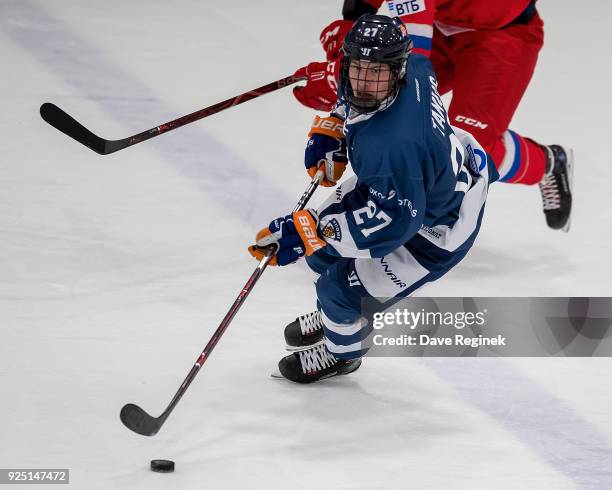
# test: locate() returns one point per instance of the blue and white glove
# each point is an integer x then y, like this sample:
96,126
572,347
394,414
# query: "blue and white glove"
291,236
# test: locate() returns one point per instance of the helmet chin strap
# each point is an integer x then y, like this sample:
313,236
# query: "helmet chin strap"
356,112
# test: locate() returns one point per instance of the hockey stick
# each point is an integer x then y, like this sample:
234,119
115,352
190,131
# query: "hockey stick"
139,421
62,121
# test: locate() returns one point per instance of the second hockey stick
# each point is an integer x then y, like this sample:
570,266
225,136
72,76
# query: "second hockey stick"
62,121
139,421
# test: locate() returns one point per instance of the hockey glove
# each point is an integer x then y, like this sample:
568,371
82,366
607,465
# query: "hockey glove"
332,37
326,148
291,236
320,91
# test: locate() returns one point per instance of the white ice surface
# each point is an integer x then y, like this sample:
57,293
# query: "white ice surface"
115,270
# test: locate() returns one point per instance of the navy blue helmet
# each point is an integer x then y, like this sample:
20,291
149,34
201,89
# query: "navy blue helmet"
374,39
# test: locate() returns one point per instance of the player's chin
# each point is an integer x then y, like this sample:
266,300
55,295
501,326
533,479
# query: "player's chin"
367,100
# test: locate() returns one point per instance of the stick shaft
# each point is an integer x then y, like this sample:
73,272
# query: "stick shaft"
68,125
213,109
248,287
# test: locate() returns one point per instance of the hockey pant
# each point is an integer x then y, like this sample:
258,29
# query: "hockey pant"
488,72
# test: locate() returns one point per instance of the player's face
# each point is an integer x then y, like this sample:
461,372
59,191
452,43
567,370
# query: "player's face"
370,80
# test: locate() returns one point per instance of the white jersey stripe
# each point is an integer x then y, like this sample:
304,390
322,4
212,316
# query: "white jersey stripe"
342,328
506,165
342,349
420,29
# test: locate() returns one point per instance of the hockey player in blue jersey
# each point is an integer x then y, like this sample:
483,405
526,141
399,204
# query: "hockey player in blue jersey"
411,212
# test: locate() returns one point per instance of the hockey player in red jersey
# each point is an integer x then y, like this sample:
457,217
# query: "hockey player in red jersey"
485,52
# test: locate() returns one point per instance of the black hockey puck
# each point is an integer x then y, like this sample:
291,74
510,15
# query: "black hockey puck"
162,465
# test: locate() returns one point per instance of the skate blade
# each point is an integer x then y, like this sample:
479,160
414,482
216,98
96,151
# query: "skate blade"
353,367
293,348
566,228
570,164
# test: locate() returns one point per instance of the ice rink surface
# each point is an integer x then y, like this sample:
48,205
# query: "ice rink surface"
115,270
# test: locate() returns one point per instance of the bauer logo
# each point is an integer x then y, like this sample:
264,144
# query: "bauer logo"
308,235
329,124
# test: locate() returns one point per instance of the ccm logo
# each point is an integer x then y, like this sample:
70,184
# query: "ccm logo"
471,122
328,124
311,236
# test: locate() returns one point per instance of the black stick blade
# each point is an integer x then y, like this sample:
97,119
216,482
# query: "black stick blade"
62,121
139,421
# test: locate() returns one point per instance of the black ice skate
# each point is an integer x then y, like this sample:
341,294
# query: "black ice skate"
313,364
556,187
304,332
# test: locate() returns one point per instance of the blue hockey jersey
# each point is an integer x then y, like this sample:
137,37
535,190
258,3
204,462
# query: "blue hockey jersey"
413,172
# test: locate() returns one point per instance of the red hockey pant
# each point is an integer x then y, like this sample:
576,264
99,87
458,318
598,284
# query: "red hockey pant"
488,72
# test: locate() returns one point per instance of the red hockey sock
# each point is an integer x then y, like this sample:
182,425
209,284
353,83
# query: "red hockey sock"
519,160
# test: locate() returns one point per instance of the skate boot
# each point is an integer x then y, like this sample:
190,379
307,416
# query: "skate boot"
304,332
556,187
313,364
